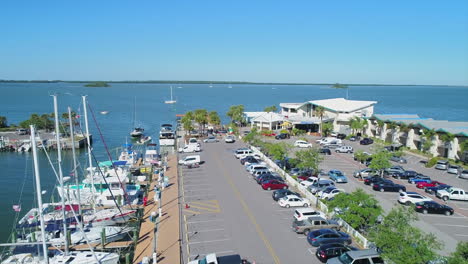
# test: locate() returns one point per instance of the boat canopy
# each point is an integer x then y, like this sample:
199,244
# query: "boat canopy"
114,162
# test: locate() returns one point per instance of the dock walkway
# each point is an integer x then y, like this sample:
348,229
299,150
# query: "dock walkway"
168,243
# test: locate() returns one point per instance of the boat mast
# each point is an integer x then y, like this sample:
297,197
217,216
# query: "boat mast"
171,93
75,171
88,141
59,158
39,192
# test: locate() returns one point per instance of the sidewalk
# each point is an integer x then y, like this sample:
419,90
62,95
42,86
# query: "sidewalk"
169,233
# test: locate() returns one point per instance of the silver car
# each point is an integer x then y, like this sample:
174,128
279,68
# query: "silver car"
442,165
453,169
463,174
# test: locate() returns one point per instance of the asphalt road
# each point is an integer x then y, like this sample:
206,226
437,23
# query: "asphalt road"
228,213
448,229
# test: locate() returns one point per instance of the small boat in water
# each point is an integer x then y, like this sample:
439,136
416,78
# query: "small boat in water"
143,140
137,132
172,101
104,112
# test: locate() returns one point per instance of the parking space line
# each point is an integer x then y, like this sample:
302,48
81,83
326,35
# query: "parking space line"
310,251
208,230
204,221
205,208
201,184
209,241
190,211
198,190
451,225
444,216
217,253
461,235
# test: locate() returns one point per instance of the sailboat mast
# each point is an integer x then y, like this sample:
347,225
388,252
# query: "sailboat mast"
39,192
88,141
171,93
75,171
59,160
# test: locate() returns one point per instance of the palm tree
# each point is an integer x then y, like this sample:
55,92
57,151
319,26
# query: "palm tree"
428,135
393,126
320,111
3,121
356,124
447,138
380,125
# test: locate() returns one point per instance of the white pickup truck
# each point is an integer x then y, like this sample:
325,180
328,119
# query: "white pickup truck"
212,259
452,194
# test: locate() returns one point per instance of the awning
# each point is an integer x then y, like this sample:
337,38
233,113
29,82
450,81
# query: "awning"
115,162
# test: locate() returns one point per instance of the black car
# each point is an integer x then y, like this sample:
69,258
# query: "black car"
341,136
266,177
432,207
407,174
327,251
282,136
249,159
388,186
374,179
325,151
433,190
278,194
366,141
283,164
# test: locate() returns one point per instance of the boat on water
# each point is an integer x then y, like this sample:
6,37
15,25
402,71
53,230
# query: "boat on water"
172,101
104,112
137,132
151,155
166,135
73,257
143,140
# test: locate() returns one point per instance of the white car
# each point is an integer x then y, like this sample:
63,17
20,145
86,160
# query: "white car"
293,201
301,214
344,149
302,144
229,139
408,198
332,193
309,181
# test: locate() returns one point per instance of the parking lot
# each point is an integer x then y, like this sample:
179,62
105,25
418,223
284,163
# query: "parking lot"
228,213
448,229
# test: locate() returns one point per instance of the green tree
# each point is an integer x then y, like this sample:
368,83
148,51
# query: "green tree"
236,113
214,118
320,112
201,117
428,135
460,256
380,161
251,136
3,122
464,146
341,86
447,137
270,109
309,158
187,121
327,128
400,241
380,125
358,209
278,151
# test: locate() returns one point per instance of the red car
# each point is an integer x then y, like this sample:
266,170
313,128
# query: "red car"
274,185
422,185
269,134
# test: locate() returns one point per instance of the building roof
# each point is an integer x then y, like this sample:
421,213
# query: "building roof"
454,127
342,105
291,105
268,117
252,114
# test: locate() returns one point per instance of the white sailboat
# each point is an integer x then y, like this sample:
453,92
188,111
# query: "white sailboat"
172,101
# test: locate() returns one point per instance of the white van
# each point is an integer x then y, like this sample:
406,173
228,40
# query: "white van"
301,214
242,153
190,160
330,140
257,167
193,141
190,148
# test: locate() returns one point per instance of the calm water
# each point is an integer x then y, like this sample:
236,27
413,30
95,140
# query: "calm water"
19,101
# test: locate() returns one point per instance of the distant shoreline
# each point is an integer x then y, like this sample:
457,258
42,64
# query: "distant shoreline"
220,82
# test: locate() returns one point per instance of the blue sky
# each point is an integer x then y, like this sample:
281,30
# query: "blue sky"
399,42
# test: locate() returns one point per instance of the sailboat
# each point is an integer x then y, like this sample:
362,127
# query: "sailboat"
172,101
137,131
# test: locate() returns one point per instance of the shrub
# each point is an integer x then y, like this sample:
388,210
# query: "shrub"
432,162
284,131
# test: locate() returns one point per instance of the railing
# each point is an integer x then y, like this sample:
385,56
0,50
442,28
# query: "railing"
360,239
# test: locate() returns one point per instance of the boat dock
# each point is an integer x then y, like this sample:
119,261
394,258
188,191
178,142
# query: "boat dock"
162,234
11,141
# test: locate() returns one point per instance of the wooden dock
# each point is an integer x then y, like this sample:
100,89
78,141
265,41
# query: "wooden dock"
98,246
168,244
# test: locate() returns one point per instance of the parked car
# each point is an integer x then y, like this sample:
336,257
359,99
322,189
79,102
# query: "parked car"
419,178
298,171
242,152
249,160
452,194
327,251
274,185
406,175
326,236
422,185
408,198
327,194
366,141
341,136
370,180
392,169
278,194
320,185
329,140
229,139
211,139
293,201
337,176
309,181
267,177
433,190
325,151
364,172
282,136
364,256
399,159
313,223
344,149
432,207
301,214
304,175
302,144
388,186
463,174
442,165
453,169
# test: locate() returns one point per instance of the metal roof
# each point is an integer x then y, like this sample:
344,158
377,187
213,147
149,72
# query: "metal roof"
343,105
